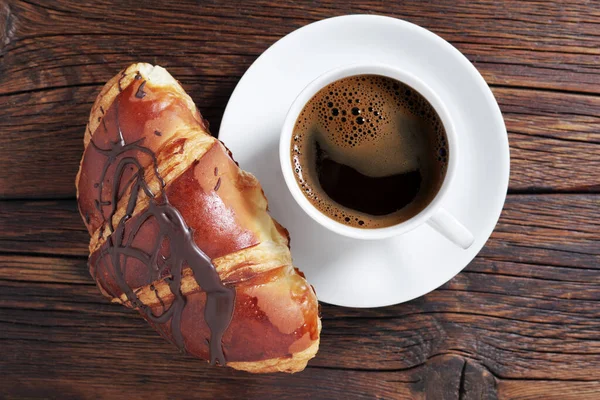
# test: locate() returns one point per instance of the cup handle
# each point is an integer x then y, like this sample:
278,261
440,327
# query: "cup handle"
443,222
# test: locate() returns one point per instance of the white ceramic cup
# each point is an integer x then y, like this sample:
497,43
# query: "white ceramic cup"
433,214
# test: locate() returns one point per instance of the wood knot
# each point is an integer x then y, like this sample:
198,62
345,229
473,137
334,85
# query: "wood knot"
451,376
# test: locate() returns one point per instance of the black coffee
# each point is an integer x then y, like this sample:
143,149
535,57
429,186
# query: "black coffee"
369,151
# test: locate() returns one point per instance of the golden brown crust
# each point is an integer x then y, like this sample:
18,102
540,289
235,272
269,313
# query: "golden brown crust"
296,363
275,325
172,114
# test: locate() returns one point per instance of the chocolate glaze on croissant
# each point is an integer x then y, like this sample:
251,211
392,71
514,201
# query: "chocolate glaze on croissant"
181,234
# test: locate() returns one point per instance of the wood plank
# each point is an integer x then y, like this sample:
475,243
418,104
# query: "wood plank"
550,229
43,227
172,377
51,69
552,390
552,147
518,333
194,381
57,329
551,44
422,347
554,140
557,230
37,269
526,308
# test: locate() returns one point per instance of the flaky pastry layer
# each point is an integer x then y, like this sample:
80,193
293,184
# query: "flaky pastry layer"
275,325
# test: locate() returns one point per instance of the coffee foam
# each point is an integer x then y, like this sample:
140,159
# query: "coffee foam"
375,125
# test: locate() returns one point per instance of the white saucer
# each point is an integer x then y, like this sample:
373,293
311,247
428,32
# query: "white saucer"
358,273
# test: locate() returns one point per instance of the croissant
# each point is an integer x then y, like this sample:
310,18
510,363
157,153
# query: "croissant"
182,235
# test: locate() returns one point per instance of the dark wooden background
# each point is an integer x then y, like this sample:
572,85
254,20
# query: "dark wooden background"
522,321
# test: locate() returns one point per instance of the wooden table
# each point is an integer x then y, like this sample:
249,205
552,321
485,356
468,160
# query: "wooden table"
521,321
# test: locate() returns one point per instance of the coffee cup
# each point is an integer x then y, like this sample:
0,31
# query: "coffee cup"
433,213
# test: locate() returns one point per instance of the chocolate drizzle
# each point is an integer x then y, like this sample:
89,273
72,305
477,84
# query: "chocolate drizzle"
172,229
123,75
140,92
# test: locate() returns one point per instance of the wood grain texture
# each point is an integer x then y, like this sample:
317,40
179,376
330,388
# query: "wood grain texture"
522,321
538,44
54,59
43,227
525,310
